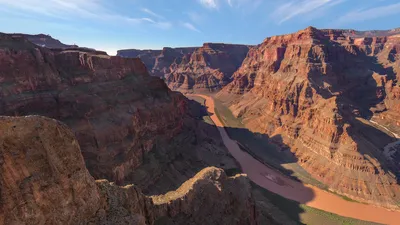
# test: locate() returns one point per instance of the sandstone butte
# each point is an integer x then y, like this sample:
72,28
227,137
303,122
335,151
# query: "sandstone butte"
334,100
207,68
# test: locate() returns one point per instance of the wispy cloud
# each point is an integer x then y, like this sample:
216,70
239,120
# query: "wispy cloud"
211,4
72,9
369,14
164,25
191,27
196,18
243,3
297,8
148,11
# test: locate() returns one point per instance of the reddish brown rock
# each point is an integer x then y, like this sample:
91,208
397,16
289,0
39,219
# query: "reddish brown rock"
43,178
209,68
129,125
44,181
312,88
158,62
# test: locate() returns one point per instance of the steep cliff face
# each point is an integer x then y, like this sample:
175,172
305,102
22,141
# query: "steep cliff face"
44,181
209,68
158,62
129,125
318,89
43,176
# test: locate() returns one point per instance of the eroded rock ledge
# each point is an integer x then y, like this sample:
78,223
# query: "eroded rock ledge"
43,180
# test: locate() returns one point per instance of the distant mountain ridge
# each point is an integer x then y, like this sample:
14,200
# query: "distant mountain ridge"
44,40
208,67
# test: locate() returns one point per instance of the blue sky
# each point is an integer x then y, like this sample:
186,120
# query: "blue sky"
118,24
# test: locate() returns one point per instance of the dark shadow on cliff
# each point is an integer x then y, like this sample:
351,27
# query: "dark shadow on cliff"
270,151
356,80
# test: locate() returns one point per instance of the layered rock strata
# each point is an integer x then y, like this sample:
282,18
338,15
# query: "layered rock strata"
317,90
130,126
158,62
44,181
207,68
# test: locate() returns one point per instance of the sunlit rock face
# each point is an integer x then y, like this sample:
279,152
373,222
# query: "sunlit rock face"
130,126
311,88
207,68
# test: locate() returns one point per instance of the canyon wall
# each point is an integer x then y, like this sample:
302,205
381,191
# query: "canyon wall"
130,126
158,62
317,90
207,68
44,181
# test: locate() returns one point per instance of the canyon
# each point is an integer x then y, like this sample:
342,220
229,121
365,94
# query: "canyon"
44,181
114,108
88,138
207,68
317,90
330,96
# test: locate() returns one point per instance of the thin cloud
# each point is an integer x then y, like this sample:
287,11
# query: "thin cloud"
211,4
164,25
196,18
71,9
297,8
148,11
243,3
369,14
191,27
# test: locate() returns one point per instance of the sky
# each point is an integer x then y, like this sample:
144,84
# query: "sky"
110,25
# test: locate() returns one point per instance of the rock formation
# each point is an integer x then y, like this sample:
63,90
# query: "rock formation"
158,62
207,68
44,181
318,89
44,41
130,126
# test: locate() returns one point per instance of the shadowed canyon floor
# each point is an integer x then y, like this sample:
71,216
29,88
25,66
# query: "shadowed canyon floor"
306,194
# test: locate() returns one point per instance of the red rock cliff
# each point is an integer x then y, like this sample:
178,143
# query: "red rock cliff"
312,88
122,117
44,181
209,68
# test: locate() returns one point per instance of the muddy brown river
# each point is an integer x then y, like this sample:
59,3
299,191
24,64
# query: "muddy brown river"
276,182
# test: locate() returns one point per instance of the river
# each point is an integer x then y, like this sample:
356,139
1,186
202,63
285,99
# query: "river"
309,195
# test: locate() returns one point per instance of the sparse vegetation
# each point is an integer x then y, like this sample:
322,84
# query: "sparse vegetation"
301,213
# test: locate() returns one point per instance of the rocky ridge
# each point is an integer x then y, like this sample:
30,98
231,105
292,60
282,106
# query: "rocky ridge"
316,90
158,62
44,40
207,68
130,126
44,181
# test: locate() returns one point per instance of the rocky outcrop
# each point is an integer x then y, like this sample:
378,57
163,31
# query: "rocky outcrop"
44,181
371,33
209,68
43,178
317,90
130,126
44,40
158,62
